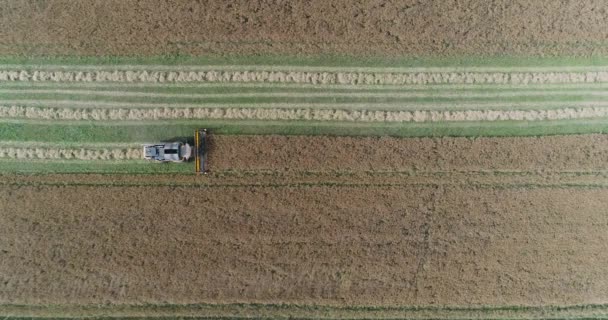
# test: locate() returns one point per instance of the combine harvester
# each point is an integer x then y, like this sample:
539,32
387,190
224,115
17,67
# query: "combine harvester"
180,151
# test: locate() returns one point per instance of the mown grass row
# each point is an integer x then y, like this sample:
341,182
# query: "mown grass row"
132,133
266,95
76,133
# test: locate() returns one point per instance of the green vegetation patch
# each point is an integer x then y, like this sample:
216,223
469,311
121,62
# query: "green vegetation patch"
87,166
150,131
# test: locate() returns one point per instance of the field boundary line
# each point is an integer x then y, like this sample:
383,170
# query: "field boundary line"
314,317
303,312
321,60
354,173
407,106
302,68
465,184
593,306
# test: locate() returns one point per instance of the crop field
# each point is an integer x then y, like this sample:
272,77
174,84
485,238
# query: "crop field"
101,110
371,160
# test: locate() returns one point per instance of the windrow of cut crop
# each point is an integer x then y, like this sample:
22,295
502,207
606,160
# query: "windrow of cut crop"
306,77
30,153
168,113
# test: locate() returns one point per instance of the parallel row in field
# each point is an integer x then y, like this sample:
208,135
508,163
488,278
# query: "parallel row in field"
21,153
301,77
80,136
131,101
434,101
317,104
323,62
297,311
59,90
237,87
168,113
238,177
306,154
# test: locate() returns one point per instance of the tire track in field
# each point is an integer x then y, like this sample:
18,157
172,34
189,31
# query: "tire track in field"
306,77
169,113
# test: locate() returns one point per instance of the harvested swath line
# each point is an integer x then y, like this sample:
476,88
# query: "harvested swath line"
308,77
131,114
70,153
73,166
291,68
438,94
361,106
68,144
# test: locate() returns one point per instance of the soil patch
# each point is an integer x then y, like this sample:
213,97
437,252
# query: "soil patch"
394,27
316,153
348,245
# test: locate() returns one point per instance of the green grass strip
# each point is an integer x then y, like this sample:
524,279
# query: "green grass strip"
147,131
413,103
322,60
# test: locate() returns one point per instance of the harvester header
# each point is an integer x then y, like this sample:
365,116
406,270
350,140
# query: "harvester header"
200,151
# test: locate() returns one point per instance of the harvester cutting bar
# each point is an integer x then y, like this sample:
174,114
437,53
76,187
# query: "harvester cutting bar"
200,145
